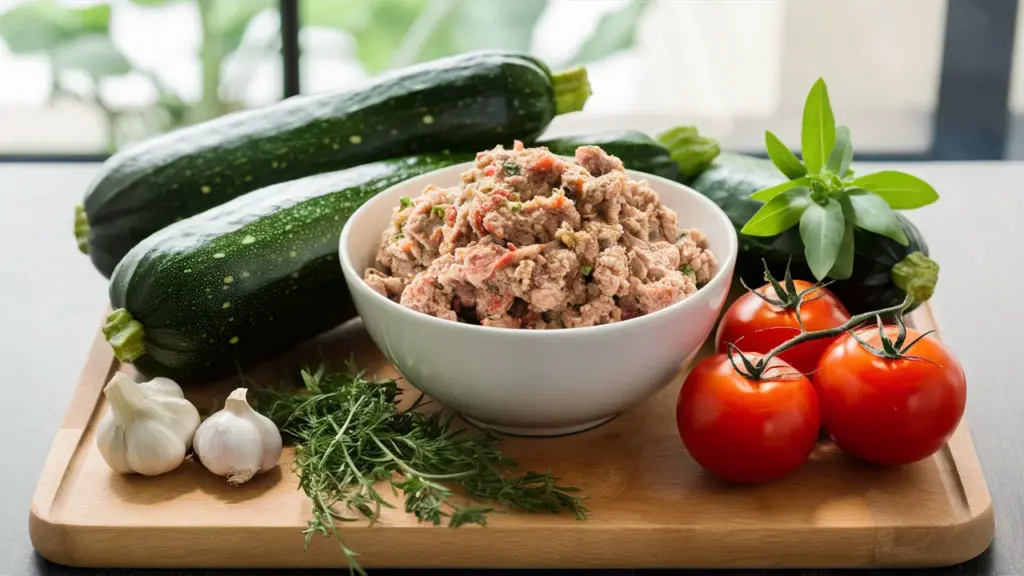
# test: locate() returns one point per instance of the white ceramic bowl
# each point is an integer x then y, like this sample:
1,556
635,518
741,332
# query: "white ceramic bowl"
538,382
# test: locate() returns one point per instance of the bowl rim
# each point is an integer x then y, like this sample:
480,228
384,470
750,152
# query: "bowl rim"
637,322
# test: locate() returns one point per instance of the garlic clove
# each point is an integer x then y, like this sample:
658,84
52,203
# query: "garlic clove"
181,417
230,446
148,428
164,387
237,441
153,449
110,439
272,442
125,396
270,436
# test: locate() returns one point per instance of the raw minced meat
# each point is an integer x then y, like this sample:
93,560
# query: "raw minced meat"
530,240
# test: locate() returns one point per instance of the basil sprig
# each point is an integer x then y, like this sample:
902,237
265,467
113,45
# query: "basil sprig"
823,197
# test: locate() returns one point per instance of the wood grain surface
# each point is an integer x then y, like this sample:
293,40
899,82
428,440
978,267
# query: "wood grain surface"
651,505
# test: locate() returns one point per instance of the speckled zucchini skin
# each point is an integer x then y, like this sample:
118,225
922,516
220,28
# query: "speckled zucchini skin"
252,277
468,102
637,150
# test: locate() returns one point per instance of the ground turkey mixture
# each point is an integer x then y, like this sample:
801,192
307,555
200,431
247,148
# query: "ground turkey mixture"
530,240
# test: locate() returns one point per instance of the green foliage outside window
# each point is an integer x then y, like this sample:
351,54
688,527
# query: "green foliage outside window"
387,34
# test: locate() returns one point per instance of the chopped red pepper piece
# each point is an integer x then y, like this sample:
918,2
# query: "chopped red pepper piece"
503,261
545,163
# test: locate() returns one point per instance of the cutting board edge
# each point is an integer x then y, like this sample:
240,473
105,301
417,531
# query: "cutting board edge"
890,547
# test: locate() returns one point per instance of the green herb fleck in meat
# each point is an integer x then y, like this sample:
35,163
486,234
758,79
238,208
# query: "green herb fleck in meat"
510,168
405,202
350,436
586,269
398,236
439,210
688,271
515,206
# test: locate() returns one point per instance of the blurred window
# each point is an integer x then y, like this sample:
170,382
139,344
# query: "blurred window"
734,68
91,77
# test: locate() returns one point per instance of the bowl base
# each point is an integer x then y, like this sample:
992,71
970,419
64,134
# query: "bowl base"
557,431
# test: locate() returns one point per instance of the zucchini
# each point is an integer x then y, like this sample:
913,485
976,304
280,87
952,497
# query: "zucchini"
883,269
679,148
245,280
468,102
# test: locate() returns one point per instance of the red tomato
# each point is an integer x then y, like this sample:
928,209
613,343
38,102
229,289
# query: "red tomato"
890,411
743,430
757,326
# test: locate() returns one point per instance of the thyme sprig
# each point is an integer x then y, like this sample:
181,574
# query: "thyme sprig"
350,436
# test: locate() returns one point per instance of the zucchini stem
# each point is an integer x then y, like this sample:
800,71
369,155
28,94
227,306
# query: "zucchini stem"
125,335
82,229
916,275
572,89
691,151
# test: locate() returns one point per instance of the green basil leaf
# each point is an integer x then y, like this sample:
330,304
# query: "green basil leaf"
819,128
780,213
871,213
843,268
783,157
900,190
768,193
842,153
822,229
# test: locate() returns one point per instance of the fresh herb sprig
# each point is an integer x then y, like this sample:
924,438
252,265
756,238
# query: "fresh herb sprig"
350,436
825,199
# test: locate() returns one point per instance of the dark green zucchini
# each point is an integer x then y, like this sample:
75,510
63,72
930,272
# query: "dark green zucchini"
678,147
882,269
469,102
245,280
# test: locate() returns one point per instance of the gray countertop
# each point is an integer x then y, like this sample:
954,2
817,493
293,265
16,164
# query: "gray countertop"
54,300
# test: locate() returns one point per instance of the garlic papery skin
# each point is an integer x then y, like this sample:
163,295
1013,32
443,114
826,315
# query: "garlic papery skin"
238,442
148,429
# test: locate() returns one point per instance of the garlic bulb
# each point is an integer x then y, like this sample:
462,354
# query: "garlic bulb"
238,442
149,427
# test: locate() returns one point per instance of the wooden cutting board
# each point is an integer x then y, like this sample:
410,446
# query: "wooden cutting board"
651,505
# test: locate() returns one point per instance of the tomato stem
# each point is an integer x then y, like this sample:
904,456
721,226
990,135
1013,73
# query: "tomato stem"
786,295
756,370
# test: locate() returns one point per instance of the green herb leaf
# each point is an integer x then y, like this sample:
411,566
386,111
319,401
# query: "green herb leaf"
843,268
781,212
822,229
688,271
871,213
439,210
404,202
842,153
351,437
900,191
819,128
510,168
783,157
586,269
769,193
